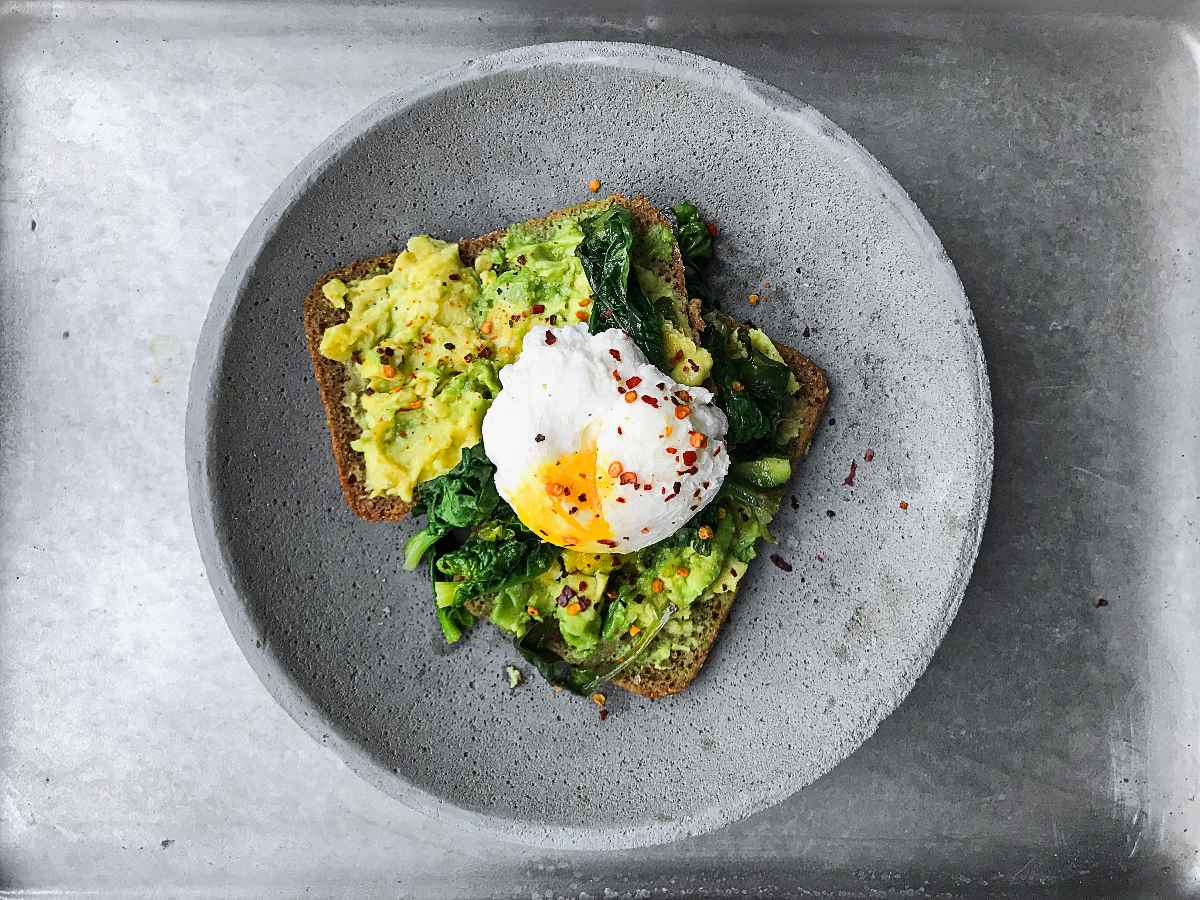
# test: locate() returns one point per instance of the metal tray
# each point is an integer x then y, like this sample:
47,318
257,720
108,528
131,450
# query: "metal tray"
1053,745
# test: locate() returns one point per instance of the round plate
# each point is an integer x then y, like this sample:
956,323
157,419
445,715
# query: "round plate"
811,660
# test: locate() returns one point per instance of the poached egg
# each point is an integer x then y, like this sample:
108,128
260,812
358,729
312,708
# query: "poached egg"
596,449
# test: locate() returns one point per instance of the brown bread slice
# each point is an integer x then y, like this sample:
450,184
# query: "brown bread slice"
709,617
319,315
682,668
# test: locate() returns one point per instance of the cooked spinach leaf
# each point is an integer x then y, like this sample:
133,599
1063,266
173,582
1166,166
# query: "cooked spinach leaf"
696,248
618,301
454,621
452,616
751,388
500,553
534,647
462,498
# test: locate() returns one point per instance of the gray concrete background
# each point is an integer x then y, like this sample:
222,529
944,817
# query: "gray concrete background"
1051,746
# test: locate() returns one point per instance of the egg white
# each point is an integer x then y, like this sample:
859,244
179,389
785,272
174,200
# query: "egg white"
570,394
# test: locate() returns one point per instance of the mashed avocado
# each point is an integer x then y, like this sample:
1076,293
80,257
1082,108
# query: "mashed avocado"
571,598
422,343
419,377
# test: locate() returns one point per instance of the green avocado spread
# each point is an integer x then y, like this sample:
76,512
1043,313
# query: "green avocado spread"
422,343
605,605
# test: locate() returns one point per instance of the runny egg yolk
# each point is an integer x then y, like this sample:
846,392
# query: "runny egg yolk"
560,502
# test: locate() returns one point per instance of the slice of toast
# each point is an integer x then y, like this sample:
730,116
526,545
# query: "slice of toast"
709,617
319,315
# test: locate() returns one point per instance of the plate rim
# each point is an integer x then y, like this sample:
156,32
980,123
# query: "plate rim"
266,663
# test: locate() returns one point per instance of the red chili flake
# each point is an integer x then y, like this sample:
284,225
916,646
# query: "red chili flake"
869,455
553,319
684,396
717,452
849,479
676,486
566,596
672,450
550,338
689,457
572,510
606,542
629,478
904,504
603,713
695,365
537,309
653,401
713,230
582,497
705,484
485,352
648,486
633,382
467,357
781,563
677,357
619,431
690,470
645,531
620,499
615,354
661,385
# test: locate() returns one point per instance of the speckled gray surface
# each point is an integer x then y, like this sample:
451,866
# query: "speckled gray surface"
812,660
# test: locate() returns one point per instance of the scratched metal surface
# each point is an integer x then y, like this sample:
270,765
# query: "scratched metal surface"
1053,747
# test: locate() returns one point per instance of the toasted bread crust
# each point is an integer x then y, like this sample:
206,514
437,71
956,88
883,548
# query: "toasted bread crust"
331,376
331,381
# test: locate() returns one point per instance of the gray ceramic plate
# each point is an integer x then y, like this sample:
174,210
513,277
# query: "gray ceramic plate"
811,660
